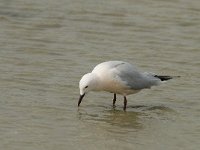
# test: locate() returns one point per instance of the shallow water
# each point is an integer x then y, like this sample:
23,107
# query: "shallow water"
45,48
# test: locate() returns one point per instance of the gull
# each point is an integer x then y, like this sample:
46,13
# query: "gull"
118,77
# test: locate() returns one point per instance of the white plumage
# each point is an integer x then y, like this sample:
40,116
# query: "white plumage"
117,77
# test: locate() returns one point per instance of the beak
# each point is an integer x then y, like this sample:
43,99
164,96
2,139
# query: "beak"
80,99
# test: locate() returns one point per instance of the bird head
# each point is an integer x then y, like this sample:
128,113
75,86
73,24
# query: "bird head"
86,84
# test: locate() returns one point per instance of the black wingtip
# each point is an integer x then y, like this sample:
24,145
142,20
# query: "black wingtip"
164,78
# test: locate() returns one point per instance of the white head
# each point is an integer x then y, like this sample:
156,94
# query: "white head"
88,82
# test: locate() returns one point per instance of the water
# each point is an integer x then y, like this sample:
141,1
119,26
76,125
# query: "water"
45,48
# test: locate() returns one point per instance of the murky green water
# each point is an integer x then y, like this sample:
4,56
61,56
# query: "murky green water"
45,48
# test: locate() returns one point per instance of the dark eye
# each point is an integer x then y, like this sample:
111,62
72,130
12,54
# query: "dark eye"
86,87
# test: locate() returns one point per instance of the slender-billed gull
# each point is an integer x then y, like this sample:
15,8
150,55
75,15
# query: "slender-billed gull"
118,77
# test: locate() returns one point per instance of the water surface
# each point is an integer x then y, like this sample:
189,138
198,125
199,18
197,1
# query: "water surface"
45,48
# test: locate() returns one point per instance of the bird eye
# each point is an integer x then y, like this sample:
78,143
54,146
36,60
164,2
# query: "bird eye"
86,87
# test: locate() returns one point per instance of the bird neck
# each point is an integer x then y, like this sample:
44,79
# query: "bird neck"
96,82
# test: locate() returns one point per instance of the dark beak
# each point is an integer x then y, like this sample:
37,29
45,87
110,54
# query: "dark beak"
80,99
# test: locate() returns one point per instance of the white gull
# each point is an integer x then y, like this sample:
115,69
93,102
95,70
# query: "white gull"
118,77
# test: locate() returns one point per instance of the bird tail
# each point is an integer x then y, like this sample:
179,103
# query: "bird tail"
164,78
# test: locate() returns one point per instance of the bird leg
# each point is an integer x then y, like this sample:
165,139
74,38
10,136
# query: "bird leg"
125,103
114,100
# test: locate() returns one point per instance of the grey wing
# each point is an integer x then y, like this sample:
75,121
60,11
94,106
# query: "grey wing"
133,78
